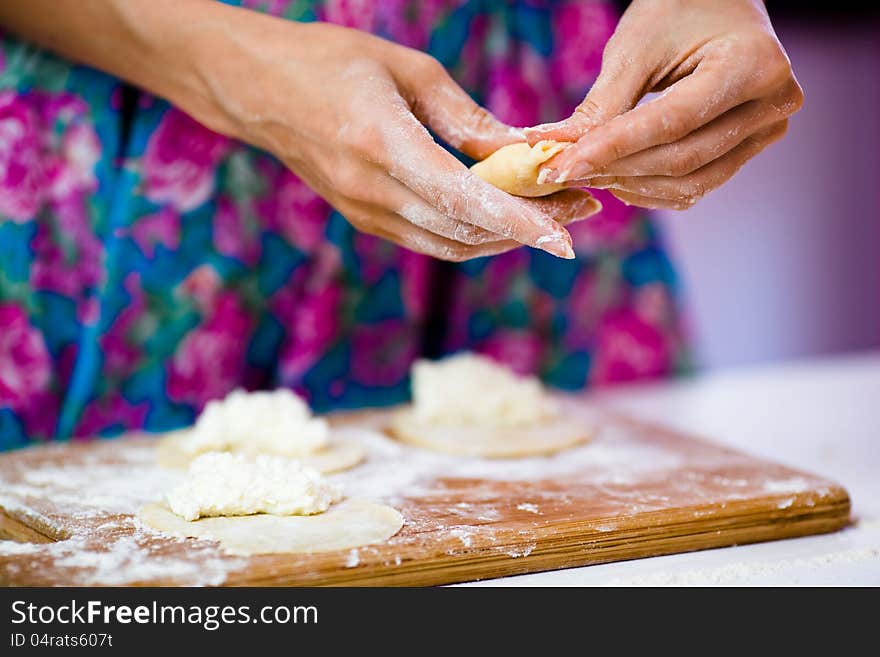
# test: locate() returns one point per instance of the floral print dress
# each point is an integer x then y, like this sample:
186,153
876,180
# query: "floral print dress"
148,265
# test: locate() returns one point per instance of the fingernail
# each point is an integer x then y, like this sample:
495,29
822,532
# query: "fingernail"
555,245
568,174
562,176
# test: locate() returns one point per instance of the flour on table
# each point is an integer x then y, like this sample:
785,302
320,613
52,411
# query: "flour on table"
224,484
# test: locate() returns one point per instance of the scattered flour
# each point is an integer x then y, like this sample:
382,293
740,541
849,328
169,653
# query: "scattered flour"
353,558
742,572
520,551
104,488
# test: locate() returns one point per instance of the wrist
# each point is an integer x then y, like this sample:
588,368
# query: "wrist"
170,46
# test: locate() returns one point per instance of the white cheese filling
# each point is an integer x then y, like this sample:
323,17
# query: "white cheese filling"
265,422
224,484
473,390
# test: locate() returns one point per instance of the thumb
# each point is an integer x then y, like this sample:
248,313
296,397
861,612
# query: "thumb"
441,104
620,85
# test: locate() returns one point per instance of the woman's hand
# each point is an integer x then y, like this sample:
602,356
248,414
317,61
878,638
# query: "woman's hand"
346,111
727,92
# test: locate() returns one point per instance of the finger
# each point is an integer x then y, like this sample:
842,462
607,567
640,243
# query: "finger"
566,206
440,103
685,106
394,228
563,207
629,198
688,189
389,193
700,147
618,88
433,173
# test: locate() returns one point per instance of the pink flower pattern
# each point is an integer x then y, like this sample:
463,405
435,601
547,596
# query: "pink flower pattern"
294,209
180,162
162,227
25,366
211,358
628,348
150,265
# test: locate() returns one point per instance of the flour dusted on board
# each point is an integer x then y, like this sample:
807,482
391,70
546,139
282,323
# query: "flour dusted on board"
470,389
224,484
266,422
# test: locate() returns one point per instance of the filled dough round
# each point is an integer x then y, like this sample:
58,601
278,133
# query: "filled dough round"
338,455
514,168
543,438
349,524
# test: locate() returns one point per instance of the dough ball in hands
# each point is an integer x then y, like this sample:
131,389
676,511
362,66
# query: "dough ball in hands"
265,505
470,405
514,168
277,422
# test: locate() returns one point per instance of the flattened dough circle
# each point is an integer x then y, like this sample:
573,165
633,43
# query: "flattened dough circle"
339,455
514,168
504,442
349,524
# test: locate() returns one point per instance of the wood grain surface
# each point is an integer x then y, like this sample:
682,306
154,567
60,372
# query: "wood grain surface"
636,490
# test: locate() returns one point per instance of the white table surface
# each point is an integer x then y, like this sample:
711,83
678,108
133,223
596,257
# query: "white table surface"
819,415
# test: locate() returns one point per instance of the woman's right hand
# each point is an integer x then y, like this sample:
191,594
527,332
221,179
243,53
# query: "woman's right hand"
341,108
346,111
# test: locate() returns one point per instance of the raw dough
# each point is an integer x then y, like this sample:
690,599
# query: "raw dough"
349,524
514,168
277,422
471,406
547,437
224,484
339,454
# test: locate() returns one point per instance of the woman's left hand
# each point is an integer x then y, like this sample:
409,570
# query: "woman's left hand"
728,90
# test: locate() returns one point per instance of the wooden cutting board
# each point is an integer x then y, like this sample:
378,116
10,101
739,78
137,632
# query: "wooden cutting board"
636,490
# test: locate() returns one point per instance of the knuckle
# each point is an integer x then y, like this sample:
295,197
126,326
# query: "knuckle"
796,98
351,182
675,124
467,234
780,130
686,160
771,62
788,100
452,254
427,67
366,141
479,119
360,221
588,111
693,190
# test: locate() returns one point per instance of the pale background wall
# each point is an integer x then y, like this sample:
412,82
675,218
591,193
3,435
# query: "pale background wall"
784,261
